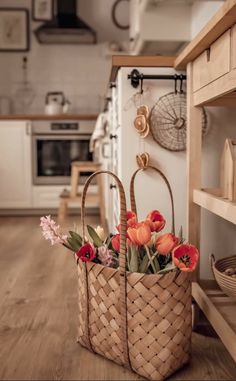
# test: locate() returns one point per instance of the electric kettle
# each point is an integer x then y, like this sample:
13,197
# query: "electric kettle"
55,103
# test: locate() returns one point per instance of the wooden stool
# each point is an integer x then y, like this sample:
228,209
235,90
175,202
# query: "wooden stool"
77,168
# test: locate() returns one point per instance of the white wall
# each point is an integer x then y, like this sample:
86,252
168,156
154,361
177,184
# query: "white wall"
202,11
80,71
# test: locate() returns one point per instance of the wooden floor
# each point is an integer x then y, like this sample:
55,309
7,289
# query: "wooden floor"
38,317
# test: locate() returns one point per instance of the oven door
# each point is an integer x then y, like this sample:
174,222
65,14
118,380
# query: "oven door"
53,154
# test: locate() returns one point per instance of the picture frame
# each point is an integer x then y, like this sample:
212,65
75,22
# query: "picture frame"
42,10
14,30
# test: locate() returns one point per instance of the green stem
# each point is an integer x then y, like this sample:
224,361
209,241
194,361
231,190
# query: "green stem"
150,258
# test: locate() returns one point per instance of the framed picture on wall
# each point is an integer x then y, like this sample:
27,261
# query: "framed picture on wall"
14,30
42,10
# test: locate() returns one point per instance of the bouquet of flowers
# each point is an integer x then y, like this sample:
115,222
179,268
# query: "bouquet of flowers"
148,250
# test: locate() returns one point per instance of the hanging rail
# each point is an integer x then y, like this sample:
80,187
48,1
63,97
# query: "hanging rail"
136,77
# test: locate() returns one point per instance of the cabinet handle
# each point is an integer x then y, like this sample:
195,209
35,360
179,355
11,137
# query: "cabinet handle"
113,136
28,128
112,186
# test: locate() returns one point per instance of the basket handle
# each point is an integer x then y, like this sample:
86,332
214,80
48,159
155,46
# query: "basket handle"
212,260
132,193
122,261
123,218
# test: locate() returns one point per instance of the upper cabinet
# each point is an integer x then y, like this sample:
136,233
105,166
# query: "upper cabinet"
160,27
15,164
150,31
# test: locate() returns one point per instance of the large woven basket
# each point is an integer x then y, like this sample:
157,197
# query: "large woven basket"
140,321
225,282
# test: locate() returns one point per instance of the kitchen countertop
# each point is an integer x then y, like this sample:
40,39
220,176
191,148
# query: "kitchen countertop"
49,117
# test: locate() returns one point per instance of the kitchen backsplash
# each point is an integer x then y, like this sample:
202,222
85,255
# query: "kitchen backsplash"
80,71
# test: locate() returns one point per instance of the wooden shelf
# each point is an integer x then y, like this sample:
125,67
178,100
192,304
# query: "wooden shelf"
220,92
211,200
139,61
220,22
220,310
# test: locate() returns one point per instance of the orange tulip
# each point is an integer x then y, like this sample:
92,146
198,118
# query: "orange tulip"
115,242
166,243
131,220
185,257
156,221
139,235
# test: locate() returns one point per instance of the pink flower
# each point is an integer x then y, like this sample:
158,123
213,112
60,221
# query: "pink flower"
105,256
51,230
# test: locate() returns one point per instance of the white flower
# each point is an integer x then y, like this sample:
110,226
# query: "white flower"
100,232
51,230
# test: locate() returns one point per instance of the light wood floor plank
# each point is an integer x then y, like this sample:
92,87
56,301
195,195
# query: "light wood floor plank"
38,316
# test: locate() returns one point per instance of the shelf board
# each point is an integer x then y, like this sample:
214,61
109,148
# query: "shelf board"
220,92
211,200
220,310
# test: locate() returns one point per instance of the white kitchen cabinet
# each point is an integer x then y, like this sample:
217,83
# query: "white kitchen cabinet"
15,165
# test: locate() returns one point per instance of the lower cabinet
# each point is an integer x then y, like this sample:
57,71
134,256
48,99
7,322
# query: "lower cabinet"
15,165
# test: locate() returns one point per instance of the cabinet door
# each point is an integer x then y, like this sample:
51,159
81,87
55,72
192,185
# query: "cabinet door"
15,164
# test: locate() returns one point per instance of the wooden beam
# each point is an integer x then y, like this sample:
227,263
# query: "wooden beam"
194,147
224,19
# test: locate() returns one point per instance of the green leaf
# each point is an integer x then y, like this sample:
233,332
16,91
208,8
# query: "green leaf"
73,244
76,238
169,267
156,264
180,235
96,239
68,247
144,265
133,264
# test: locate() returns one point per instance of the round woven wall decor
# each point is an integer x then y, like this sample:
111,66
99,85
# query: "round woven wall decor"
168,121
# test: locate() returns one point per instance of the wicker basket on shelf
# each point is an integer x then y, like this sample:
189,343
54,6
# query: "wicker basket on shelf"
226,283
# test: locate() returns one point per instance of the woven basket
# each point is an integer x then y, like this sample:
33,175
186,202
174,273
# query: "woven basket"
140,321
225,282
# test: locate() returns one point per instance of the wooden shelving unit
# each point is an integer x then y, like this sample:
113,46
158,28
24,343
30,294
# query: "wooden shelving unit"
207,85
220,311
212,200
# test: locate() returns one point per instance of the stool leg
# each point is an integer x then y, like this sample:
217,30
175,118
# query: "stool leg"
74,181
62,212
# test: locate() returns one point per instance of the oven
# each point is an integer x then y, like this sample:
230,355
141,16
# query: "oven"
55,145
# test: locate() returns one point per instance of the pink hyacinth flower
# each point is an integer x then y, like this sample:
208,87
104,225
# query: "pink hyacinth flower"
52,231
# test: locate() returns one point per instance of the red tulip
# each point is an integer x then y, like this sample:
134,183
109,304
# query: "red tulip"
156,221
115,241
166,243
86,253
139,235
185,257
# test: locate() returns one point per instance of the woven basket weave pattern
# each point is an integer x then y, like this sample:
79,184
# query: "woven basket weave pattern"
159,319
